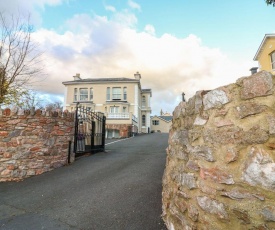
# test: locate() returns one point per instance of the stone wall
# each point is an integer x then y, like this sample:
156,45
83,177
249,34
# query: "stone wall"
220,170
125,130
33,142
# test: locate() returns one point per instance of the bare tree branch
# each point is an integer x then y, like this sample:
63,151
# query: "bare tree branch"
19,58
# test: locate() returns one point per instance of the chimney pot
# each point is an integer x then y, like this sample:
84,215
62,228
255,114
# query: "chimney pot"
137,76
77,77
253,70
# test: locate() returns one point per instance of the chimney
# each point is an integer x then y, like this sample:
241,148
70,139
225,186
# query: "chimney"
253,70
137,76
77,77
183,99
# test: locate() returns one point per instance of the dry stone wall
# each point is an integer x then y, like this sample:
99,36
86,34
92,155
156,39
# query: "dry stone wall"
220,168
33,142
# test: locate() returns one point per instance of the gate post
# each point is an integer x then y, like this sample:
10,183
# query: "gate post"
103,132
76,128
93,136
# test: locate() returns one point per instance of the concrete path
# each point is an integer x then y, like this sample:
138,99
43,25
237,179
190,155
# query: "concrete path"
117,190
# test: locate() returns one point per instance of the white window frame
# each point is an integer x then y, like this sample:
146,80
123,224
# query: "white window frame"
75,94
272,58
116,93
91,94
108,94
143,120
125,93
114,109
155,122
83,96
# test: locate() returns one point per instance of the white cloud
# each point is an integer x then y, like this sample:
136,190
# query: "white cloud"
108,48
150,29
134,5
125,18
28,7
102,47
110,8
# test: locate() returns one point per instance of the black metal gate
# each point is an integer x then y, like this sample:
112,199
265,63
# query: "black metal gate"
89,134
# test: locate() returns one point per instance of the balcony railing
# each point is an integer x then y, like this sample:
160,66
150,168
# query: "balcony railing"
122,116
118,115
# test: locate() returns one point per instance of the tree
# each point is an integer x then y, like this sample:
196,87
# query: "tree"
57,105
29,100
19,58
270,2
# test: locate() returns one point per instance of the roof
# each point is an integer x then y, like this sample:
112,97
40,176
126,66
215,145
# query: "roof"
165,118
99,80
267,36
147,91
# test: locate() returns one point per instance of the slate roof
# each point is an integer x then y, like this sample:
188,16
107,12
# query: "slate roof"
166,118
98,80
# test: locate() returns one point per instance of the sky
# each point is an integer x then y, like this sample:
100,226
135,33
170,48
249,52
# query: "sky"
177,45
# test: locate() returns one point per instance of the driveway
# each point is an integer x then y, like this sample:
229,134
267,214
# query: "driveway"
118,189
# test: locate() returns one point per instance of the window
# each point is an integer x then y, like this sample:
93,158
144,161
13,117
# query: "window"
91,94
143,101
272,55
116,93
114,109
124,109
155,122
83,94
125,93
143,120
108,95
75,94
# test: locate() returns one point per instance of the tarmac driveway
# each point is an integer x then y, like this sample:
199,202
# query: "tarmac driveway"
119,189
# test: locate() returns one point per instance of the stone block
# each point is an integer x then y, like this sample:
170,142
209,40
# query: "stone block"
193,165
259,169
199,121
212,206
216,175
179,137
223,122
201,152
6,173
215,99
193,213
188,180
268,213
271,123
231,155
237,194
249,108
242,215
179,110
257,85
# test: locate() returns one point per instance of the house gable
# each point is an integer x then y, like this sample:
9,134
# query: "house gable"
264,52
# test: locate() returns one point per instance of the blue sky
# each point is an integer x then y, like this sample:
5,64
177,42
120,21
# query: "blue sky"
177,45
